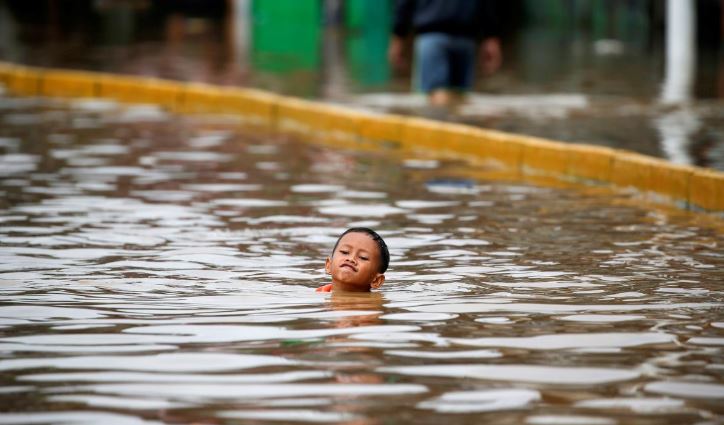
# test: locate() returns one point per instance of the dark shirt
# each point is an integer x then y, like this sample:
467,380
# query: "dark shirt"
468,18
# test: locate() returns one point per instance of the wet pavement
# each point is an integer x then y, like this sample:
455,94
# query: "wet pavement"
161,269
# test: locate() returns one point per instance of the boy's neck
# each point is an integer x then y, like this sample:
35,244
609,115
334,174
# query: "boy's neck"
341,286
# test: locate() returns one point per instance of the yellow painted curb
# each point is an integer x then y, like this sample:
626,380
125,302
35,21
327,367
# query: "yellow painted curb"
69,84
632,170
297,116
24,81
386,128
339,125
451,138
140,90
6,71
320,122
590,162
544,156
203,99
257,107
707,190
503,147
422,133
654,175
671,180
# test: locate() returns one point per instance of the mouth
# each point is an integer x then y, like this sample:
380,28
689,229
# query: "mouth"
348,266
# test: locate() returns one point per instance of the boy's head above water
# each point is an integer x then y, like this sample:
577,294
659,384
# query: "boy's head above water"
358,261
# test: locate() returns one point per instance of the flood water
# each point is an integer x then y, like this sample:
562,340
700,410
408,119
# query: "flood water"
161,269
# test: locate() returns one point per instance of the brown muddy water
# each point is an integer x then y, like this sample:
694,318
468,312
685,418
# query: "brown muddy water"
161,269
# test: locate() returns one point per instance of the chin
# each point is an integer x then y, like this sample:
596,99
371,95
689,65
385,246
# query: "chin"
349,282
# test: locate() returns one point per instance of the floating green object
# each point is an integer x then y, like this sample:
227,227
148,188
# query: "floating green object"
295,342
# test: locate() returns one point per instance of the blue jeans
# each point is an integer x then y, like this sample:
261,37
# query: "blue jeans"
444,61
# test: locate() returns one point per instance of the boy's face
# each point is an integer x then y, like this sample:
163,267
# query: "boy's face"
355,263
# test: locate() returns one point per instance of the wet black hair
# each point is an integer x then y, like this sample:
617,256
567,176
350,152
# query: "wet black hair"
384,253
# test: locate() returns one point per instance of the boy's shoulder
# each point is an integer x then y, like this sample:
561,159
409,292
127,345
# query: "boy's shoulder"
325,288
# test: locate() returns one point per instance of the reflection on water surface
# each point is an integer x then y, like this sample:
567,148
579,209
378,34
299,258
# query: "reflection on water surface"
157,269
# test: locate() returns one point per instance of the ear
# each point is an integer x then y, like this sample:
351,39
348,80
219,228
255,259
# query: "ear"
328,266
377,281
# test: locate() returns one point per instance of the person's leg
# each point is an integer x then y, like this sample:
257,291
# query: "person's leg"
433,68
462,66
441,97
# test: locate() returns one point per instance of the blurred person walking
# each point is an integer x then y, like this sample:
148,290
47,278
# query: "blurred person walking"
448,35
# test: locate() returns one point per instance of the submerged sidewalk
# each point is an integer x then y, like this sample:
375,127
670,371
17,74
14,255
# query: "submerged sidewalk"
520,156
